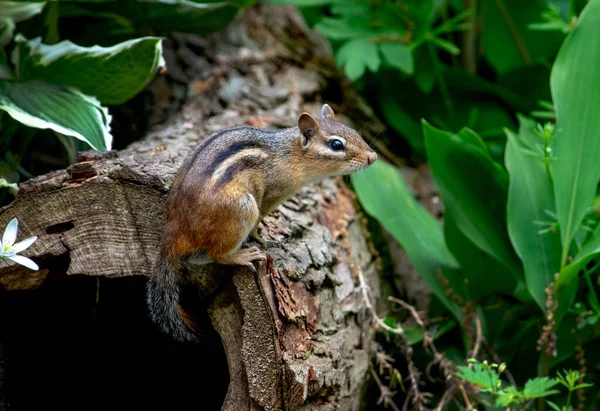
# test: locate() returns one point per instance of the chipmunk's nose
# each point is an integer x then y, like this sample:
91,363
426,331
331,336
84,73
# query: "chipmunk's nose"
371,157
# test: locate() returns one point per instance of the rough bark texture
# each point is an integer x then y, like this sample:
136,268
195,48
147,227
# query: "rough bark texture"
297,335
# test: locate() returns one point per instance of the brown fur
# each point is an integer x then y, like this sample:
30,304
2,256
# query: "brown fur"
239,175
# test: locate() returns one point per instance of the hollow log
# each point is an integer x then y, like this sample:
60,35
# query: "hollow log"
297,334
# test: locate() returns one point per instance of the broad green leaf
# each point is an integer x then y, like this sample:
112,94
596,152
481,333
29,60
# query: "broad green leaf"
474,188
507,40
401,121
530,204
184,16
424,74
589,251
112,74
66,111
483,275
539,387
576,94
568,280
12,12
356,55
342,29
18,11
398,56
384,195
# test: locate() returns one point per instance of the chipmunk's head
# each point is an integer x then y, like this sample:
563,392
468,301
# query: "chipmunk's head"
333,148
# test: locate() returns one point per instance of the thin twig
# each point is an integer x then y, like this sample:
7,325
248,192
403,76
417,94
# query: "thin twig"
478,337
410,308
465,397
514,32
380,323
386,393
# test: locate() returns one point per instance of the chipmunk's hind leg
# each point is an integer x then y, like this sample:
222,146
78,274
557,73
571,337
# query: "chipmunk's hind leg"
235,233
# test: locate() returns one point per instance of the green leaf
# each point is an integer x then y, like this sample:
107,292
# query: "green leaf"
111,74
66,111
342,29
474,188
507,40
510,395
576,94
398,56
446,45
539,387
18,11
474,262
415,334
567,282
531,202
553,406
589,251
401,121
356,55
384,195
485,379
184,16
12,12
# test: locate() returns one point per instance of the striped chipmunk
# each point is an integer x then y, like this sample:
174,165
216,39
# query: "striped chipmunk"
226,185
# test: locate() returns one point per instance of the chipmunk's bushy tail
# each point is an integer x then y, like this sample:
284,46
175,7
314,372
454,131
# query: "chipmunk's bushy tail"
162,296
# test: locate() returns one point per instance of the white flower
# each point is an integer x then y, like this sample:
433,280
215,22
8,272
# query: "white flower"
9,249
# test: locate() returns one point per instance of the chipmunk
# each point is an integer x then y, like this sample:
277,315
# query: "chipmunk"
227,184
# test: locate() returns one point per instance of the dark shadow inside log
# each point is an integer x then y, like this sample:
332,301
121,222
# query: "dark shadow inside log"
86,343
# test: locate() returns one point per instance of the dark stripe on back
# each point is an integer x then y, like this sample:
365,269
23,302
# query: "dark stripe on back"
203,145
230,151
237,167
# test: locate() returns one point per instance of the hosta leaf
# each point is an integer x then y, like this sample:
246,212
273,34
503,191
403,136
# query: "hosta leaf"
12,12
112,74
64,110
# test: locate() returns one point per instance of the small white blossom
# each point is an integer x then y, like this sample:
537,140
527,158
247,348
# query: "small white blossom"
9,249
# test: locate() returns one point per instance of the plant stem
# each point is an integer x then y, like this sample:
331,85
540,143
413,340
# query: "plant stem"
544,371
470,40
572,12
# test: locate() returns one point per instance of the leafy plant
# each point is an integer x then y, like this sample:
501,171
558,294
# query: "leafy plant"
65,87
406,58
486,376
520,229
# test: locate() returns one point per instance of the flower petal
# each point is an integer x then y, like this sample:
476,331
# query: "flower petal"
22,245
24,261
10,233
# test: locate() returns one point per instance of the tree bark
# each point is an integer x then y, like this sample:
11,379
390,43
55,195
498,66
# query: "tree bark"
297,335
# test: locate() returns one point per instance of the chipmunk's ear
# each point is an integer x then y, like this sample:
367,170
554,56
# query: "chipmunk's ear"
327,112
308,127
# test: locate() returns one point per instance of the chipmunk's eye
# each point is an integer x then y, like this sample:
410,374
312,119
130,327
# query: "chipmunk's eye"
336,145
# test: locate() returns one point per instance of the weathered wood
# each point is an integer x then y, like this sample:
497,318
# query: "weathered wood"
297,335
